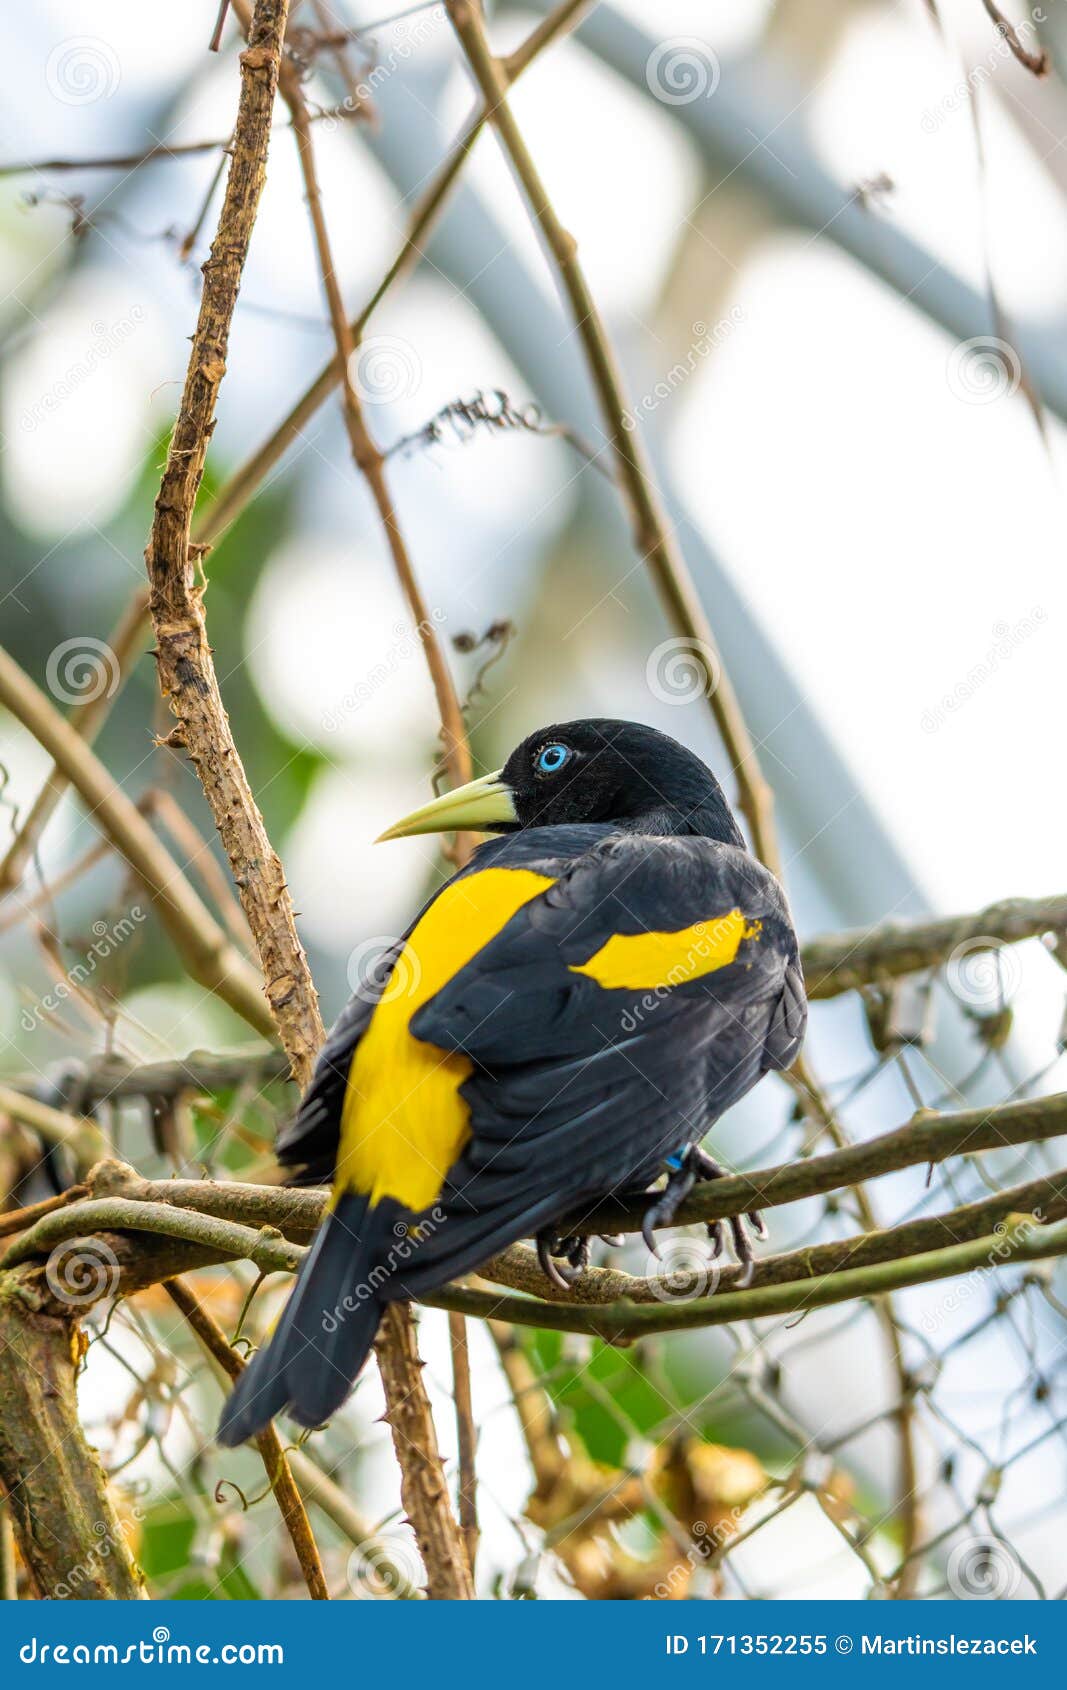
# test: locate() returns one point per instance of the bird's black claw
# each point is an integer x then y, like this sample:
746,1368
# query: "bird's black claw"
574,1250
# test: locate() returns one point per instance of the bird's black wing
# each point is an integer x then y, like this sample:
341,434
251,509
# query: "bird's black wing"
610,1022
307,1146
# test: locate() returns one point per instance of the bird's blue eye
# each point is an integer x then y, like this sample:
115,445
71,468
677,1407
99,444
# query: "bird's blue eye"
552,759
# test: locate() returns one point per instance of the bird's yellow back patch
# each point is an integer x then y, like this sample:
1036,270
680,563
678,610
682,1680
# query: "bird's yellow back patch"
648,962
403,1122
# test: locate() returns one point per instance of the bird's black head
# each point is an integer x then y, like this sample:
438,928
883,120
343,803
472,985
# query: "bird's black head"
593,770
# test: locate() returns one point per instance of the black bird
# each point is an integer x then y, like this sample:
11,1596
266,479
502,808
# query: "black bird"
565,1020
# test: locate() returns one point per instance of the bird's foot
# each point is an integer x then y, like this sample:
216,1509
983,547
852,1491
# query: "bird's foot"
552,1250
696,1165
680,1182
708,1169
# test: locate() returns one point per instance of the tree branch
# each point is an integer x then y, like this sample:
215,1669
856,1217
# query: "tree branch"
208,955
653,538
843,962
279,1476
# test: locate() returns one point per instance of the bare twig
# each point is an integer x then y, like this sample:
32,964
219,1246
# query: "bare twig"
1037,63
186,670
653,537
279,1475
208,955
232,498
842,962
86,719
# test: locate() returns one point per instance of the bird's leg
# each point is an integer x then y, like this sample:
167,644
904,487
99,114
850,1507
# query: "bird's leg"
680,1182
574,1249
708,1169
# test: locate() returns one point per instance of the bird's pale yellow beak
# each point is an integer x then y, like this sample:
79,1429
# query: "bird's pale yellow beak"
466,809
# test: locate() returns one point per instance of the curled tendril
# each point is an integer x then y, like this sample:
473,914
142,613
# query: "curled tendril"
225,1485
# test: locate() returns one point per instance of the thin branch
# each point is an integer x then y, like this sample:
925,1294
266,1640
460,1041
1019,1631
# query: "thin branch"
208,955
149,155
925,1138
842,962
466,1436
1037,63
235,494
82,1138
368,459
186,671
653,538
85,719
279,1475
1020,1241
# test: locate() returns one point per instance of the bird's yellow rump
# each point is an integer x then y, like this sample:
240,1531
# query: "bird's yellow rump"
404,1123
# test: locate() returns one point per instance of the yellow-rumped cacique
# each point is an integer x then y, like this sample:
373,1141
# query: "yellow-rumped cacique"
564,1021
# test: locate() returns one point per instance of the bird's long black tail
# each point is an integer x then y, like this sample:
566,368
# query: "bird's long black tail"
326,1330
